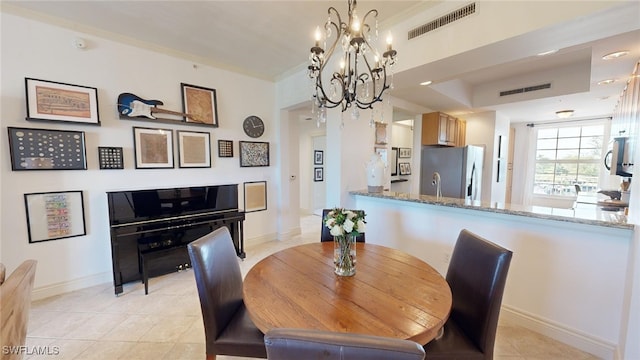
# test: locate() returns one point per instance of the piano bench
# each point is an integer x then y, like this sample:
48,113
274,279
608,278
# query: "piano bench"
149,255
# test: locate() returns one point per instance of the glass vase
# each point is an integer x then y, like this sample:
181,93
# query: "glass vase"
344,255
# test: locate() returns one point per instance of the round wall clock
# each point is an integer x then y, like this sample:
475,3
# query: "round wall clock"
253,126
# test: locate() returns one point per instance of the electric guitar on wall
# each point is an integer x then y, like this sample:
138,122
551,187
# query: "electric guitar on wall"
134,106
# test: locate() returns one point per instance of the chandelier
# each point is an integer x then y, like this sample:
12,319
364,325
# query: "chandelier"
361,75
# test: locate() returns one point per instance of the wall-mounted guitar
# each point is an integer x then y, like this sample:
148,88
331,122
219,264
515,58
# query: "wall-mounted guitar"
134,106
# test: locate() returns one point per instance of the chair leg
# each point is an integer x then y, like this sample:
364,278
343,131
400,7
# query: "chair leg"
211,357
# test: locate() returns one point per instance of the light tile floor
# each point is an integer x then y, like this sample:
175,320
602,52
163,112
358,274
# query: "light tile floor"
93,323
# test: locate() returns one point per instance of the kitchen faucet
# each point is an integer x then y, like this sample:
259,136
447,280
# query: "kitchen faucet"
436,183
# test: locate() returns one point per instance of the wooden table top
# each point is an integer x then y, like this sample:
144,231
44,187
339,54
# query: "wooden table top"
392,294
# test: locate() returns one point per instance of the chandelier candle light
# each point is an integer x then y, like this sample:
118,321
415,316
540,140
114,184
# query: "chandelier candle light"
361,77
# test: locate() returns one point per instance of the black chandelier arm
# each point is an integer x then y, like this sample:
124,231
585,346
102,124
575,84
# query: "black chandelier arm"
375,15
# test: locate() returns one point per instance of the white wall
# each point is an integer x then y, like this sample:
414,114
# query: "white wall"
42,51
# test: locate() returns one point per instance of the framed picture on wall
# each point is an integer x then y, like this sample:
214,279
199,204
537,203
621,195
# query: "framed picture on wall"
255,196
405,168
225,148
318,174
54,215
318,157
55,101
43,149
110,157
194,149
153,148
200,104
254,153
404,153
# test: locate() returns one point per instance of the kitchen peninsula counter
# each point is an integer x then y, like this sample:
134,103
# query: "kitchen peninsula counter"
582,214
570,275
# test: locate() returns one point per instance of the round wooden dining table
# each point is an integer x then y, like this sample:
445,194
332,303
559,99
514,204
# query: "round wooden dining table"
392,294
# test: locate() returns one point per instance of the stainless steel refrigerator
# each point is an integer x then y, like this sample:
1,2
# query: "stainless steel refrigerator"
459,169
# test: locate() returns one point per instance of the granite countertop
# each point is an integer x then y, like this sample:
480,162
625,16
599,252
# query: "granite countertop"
583,214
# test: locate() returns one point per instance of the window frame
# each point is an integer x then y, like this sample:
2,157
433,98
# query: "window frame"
577,123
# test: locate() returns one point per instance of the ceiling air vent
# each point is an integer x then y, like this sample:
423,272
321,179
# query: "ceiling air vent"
525,89
442,21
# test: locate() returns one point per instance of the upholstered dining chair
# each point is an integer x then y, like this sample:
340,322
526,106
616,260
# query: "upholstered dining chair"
15,303
227,326
299,344
325,234
477,275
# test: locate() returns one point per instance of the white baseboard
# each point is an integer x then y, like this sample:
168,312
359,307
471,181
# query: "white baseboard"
72,285
579,340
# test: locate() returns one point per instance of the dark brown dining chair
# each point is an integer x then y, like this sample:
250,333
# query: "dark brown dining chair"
477,275
227,326
15,303
307,344
325,234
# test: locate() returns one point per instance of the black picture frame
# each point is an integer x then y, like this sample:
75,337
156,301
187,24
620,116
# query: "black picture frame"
153,148
253,153
110,157
194,149
61,102
54,215
318,174
318,157
44,149
404,153
225,148
200,103
394,161
405,168
255,196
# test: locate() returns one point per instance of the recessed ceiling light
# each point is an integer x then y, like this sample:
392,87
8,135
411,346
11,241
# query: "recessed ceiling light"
548,52
563,114
615,55
606,82
425,83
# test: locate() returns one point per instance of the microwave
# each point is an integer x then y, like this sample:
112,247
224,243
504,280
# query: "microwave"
619,160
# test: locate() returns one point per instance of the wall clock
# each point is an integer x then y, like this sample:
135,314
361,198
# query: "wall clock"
253,126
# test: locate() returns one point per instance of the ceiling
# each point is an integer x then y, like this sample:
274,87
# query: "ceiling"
232,35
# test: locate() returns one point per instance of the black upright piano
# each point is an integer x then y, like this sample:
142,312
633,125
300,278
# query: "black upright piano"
163,222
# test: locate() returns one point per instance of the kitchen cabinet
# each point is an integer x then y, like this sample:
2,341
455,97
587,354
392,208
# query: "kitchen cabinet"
440,129
461,132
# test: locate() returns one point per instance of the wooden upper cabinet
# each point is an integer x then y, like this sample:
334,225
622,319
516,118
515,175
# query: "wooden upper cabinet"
439,129
461,132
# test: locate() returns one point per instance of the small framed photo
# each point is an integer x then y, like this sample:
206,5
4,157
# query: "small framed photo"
318,174
405,168
381,133
404,153
318,157
254,153
225,148
110,157
55,101
153,148
200,104
255,196
54,215
194,149
42,149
